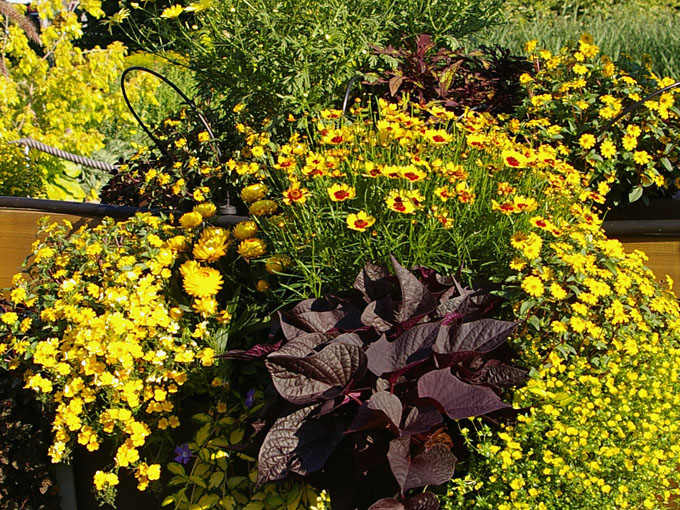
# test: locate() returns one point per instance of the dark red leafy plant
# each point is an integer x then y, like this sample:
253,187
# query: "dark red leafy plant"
372,382
486,79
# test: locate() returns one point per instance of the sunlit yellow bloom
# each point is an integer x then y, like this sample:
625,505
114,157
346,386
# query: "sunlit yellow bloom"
360,221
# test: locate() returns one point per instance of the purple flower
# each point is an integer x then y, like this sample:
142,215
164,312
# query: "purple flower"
250,398
183,454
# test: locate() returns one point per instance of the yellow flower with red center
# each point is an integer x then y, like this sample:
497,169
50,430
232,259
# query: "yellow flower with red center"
444,193
334,136
505,207
505,188
514,159
525,204
252,248
541,222
399,202
438,136
465,196
340,192
295,194
200,281
360,221
284,162
413,174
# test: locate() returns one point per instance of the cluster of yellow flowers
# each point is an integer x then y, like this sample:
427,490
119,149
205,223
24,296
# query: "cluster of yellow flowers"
104,337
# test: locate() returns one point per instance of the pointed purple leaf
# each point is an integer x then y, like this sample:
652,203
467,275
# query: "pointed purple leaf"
421,419
382,410
423,501
373,281
413,345
456,398
500,375
430,467
301,346
415,298
379,314
322,375
258,351
483,335
387,504
297,443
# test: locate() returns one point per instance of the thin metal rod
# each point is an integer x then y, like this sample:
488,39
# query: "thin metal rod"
347,92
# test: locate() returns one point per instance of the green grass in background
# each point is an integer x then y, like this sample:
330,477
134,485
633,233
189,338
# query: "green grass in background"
643,31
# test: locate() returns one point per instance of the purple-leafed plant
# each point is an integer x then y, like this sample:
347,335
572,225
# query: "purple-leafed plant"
372,382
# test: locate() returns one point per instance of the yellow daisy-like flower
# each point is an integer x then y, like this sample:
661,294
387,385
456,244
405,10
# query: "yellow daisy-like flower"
212,245
641,157
245,230
340,192
254,192
200,281
557,291
438,136
205,306
295,194
533,286
252,248
172,12
263,207
206,209
360,221
412,174
514,158
587,141
398,202
191,219
608,149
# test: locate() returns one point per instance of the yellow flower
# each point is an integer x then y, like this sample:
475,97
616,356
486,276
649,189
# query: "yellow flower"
295,194
254,192
641,157
206,209
252,248
263,207
245,230
533,286
587,141
191,219
398,201
557,291
200,281
514,158
172,12
340,192
360,221
608,149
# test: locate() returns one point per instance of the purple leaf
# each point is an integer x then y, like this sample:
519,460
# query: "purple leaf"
500,375
301,346
429,467
321,375
421,419
387,504
415,298
382,410
423,501
373,281
297,443
456,398
255,352
379,314
413,345
483,335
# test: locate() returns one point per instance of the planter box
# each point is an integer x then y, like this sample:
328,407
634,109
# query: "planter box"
654,229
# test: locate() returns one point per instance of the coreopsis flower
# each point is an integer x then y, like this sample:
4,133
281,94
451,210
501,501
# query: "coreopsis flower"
252,248
514,159
438,136
360,221
340,192
191,219
334,137
397,201
245,230
254,192
295,194
412,174
200,281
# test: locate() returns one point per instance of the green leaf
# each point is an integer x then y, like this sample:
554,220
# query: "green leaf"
208,501
197,480
236,436
227,503
201,418
170,499
202,434
635,194
235,481
667,164
176,469
216,479
535,322
218,442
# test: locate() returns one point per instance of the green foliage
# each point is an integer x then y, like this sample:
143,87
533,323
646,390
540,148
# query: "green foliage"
291,56
19,175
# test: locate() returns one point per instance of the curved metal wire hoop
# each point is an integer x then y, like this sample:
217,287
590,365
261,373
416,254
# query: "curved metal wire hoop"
347,92
634,107
186,98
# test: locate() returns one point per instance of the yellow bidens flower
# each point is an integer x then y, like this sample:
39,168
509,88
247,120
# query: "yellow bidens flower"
252,248
587,141
340,192
200,281
360,221
533,286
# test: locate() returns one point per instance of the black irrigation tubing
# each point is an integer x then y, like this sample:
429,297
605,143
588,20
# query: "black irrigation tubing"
345,101
634,107
68,156
186,98
101,210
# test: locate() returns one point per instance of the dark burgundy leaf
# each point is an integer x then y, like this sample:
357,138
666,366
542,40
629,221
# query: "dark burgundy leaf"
379,314
301,346
323,314
349,338
421,419
321,375
373,281
415,298
413,345
500,374
429,467
456,398
258,351
297,443
483,335
382,410
423,501
387,504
